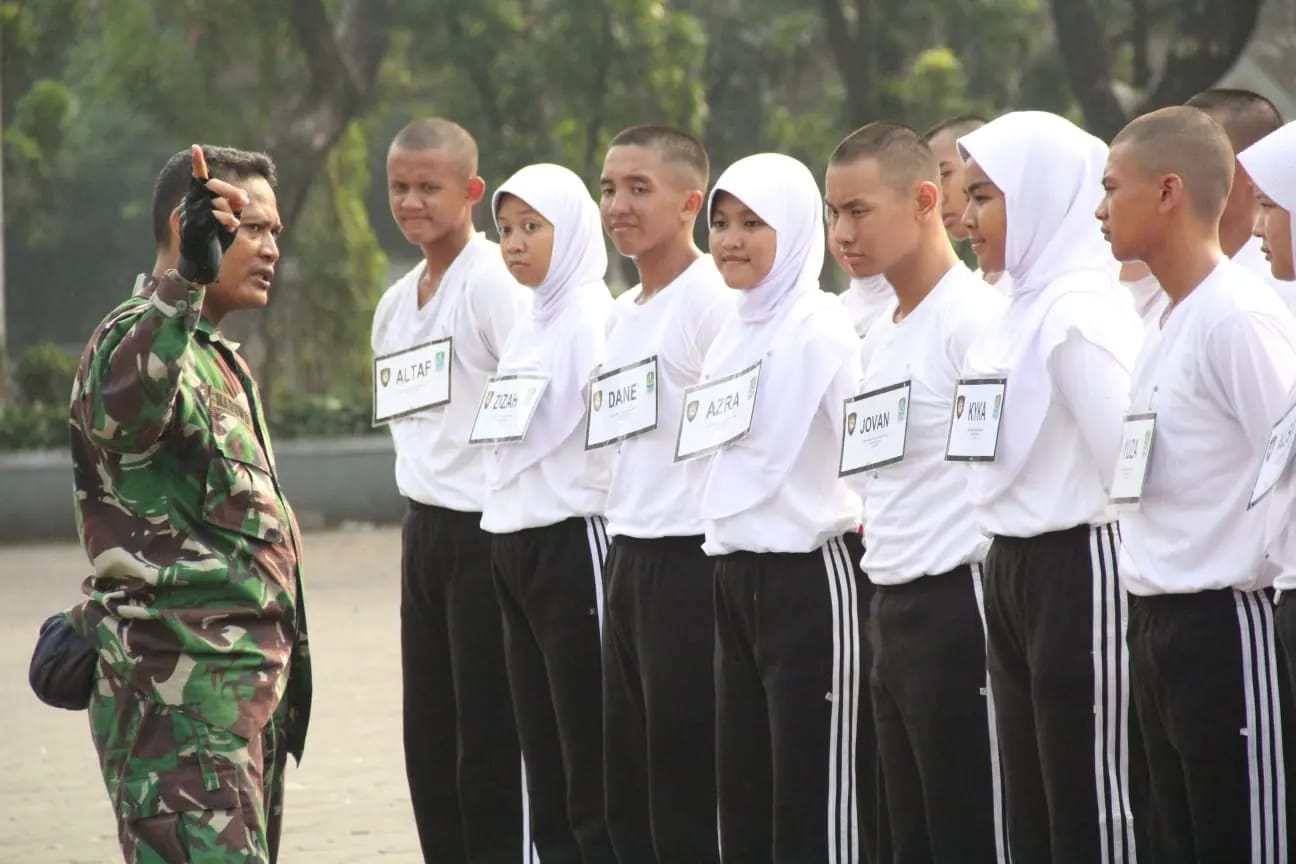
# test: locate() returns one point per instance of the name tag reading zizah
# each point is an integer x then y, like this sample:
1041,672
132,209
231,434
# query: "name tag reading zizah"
874,429
974,422
411,380
506,408
717,413
1278,453
622,404
1137,437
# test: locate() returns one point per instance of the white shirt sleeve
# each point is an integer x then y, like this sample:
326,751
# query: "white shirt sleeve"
710,319
1250,367
1094,386
496,304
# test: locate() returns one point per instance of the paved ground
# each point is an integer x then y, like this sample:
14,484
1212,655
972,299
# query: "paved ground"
347,803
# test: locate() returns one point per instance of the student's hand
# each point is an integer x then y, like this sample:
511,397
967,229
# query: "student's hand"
208,223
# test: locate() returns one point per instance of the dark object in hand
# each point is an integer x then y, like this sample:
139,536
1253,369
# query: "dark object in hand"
203,240
62,665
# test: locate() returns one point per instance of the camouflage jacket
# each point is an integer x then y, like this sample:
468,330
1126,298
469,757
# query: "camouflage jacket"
195,599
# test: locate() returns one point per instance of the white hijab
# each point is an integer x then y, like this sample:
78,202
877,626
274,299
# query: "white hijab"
563,336
784,194
1050,172
1271,162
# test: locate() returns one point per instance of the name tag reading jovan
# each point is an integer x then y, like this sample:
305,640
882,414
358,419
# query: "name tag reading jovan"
1278,453
411,380
506,408
974,423
622,404
717,413
1132,461
874,429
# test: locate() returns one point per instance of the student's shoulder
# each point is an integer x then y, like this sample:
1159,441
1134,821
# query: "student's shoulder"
402,286
1234,301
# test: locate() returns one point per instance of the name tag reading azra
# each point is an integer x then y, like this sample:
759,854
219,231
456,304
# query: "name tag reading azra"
622,404
411,380
717,413
506,409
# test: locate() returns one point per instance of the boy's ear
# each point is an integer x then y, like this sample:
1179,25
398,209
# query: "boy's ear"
476,188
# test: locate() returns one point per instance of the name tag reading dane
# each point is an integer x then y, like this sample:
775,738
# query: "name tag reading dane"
874,428
1137,436
411,380
717,413
974,422
506,408
1278,454
622,404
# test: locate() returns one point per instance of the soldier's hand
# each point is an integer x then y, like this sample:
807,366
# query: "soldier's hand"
208,223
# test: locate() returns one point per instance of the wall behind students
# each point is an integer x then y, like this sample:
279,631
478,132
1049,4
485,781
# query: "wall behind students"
97,93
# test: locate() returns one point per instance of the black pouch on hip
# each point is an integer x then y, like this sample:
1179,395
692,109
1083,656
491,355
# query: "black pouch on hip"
62,666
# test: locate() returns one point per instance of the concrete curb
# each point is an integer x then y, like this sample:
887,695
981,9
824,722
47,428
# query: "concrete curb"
330,482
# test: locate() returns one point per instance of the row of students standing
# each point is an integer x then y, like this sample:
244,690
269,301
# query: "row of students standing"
727,625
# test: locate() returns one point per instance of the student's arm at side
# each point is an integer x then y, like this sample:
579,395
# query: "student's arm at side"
1250,368
710,320
127,384
1095,387
496,302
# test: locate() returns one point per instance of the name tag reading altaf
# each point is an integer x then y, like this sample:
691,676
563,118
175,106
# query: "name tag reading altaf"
411,380
1278,454
622,404
717,413
506,408
874,428
974,423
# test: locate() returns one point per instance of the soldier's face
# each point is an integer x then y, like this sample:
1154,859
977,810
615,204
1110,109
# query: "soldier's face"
248,268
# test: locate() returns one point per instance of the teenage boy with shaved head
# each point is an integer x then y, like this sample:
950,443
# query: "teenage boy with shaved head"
1208,385
461,748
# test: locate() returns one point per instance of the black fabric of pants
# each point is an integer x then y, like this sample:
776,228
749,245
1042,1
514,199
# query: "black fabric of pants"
461,748
659,701
1204,668
795,765
1059,677
932,710
550,586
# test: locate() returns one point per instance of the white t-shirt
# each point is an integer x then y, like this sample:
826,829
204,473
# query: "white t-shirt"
1218,377
477,304
917,515
1251,257
1150,302
864,300
650,495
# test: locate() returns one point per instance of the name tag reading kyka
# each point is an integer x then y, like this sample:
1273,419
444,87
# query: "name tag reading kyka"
1132,461
622,404
506,410
874,429
1278,454
974,424
411,380
717,413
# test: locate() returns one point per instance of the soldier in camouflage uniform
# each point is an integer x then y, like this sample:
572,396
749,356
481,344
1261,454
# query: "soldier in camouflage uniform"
195,605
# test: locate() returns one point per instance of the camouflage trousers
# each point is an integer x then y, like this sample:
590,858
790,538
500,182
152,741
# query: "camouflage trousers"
183,791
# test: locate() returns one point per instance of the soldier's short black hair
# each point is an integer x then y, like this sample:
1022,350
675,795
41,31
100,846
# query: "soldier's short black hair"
673,145
223,163
903,153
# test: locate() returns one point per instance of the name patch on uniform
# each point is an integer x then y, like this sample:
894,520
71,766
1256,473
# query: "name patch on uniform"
226,404
1278,454
874,428
717,413
1137,438
411,380
622,404
975,419
506,408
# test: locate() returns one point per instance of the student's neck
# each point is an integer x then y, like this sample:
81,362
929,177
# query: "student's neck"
1184,261
441,254
1233,237
660,267
917,274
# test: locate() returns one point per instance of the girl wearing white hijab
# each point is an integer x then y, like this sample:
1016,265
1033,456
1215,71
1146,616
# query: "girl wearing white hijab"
544,500
783,528
1065,345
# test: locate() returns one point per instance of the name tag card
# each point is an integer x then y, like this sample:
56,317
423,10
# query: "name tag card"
411,380
622,404
506,409
874,429
1132,461
717,413
974,423
1278,454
